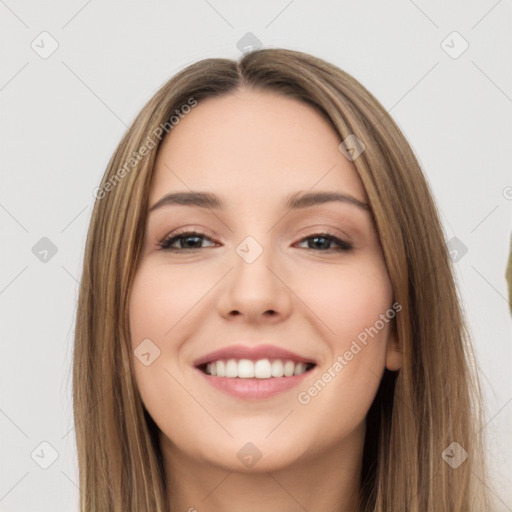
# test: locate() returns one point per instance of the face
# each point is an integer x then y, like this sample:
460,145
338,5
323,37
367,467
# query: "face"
259,271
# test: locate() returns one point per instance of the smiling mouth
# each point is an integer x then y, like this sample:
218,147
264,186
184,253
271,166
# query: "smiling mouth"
260,369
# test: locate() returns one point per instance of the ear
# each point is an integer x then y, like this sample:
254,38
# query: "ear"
394,356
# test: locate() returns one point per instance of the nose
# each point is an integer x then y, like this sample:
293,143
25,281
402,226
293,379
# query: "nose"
256,291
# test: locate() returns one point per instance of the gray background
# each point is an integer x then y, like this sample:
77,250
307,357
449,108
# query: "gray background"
63,115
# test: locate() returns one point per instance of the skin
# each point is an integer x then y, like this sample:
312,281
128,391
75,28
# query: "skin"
253,149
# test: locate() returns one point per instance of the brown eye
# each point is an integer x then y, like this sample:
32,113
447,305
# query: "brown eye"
323,242
189,240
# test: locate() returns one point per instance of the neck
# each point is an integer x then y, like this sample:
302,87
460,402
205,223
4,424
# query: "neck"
327,481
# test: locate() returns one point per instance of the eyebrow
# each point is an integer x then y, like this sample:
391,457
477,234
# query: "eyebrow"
295,201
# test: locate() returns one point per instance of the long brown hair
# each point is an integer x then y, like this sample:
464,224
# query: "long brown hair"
419,411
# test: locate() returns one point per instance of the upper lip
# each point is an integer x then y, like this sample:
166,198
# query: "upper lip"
254,353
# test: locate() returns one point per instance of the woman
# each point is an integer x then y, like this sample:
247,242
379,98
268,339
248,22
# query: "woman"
307,350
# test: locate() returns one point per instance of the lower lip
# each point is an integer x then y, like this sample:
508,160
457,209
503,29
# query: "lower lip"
254,388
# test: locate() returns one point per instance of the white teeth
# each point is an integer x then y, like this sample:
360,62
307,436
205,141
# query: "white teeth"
289,367
299,368
231,368
261,369
245,369
221,370
277,368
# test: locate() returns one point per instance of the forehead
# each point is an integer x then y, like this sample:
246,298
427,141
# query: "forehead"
253,146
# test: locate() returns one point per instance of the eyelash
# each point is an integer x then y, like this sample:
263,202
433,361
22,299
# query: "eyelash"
166,243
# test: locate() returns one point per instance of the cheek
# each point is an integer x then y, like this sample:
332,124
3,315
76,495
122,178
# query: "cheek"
351,303
162,302
349,299
166,307
161,310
